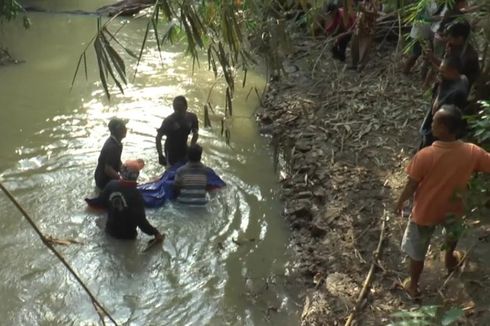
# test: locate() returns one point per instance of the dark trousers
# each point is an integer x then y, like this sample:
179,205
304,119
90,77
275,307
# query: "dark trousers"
340,46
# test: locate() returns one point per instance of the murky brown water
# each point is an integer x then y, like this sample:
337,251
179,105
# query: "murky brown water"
49,144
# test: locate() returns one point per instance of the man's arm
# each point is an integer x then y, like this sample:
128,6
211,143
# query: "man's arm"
195,136
195,130
144,225
158,140
483,162
433,60
407,193
111,172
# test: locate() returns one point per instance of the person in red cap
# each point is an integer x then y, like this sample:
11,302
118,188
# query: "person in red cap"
124,203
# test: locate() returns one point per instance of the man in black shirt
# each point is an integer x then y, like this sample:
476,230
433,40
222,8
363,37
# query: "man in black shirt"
452,88
177,127
124,203
457,44
109,163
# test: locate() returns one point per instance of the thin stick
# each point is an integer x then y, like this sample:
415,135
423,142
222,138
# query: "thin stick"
56,253
367,281
455,270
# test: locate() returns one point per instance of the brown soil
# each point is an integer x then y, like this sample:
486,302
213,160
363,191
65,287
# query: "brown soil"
344,138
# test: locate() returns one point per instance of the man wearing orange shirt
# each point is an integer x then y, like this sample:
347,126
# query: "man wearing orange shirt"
437,175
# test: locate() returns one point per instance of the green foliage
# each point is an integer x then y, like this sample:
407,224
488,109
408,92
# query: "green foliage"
477,198
427,315
9,9
480,124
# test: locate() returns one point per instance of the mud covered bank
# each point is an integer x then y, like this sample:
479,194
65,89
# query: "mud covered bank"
343,139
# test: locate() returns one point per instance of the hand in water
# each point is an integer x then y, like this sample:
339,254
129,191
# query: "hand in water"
158,238
153,242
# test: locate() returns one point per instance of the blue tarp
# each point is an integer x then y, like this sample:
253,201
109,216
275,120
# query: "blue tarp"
156,193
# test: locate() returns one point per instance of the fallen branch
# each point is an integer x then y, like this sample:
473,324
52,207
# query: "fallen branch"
48,243
369,277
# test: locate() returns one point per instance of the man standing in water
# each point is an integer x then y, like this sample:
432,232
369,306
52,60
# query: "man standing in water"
177,127
124,203
109,163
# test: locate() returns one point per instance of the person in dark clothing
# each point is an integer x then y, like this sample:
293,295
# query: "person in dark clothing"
450,13
457,45
177,127
124,203
452,88
454,13
340,26
109,163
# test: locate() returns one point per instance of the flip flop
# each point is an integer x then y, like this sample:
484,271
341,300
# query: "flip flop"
406,288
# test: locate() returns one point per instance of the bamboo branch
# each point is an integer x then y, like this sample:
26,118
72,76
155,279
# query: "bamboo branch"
367,281
48,244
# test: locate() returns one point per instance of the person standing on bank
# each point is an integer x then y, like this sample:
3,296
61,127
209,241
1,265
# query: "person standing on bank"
177,127
109,163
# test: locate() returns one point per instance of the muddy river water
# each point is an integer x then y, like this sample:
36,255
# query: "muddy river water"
223,265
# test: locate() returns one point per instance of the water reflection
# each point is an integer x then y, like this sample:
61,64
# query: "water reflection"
223,265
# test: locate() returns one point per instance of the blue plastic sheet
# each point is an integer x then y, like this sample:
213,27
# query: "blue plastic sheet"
156,193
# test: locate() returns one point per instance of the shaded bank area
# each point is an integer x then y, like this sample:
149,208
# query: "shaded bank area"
344,139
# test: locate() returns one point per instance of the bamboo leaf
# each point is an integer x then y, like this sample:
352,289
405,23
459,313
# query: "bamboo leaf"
102,75
76,70
244,77
85,64
229,104
108,66
142,48
115,58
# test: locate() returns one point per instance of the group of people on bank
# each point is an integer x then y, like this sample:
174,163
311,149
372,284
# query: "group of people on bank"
117,181
439,172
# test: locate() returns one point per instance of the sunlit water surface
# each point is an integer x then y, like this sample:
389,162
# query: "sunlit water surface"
222,265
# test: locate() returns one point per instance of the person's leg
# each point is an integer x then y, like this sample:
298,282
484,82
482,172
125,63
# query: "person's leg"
415,243
452,232
342,45
354,50
335,51
364,46
415,270
416,52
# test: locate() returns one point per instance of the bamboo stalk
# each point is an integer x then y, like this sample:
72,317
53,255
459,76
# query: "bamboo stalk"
58,255
367,281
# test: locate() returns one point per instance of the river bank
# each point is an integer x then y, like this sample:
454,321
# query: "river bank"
344,138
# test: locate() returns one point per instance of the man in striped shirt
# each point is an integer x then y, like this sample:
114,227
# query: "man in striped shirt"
191,179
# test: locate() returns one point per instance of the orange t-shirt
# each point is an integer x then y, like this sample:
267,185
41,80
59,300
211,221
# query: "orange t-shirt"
442,170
